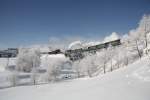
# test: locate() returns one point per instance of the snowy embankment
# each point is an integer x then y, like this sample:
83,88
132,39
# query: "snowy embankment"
128,83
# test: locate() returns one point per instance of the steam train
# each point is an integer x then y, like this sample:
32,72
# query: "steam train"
79,53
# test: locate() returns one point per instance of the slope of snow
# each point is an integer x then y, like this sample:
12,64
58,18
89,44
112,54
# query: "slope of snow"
128,83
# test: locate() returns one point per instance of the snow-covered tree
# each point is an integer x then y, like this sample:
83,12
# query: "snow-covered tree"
13,78
86,66
54,65
103,58
27,59
144,28
110,55
138,36
53,71
34,76
77,68
136,42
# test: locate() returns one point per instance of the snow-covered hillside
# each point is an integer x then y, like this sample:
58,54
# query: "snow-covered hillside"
117,72
128,83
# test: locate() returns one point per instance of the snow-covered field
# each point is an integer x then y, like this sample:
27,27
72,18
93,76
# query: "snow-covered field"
129,83
4,62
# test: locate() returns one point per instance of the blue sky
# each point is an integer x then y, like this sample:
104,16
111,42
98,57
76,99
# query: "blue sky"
27,22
